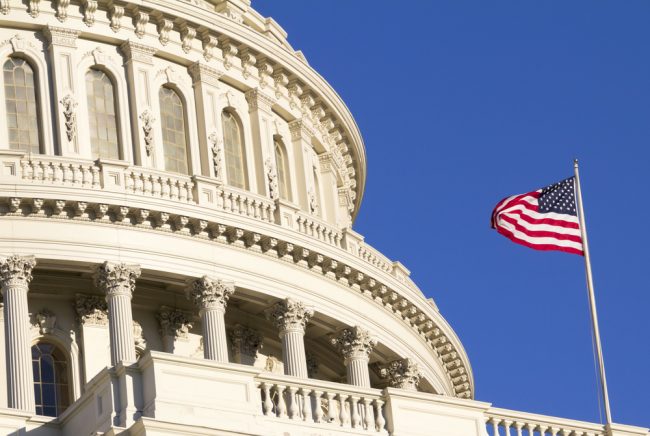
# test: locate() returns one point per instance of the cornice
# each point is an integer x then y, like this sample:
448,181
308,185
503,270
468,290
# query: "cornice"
430,326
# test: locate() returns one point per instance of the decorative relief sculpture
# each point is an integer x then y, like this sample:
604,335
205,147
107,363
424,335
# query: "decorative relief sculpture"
16,270
174,323
33,8
313,201
116,278
187,36
216,147
208,293
229,52
354,342
147,119
4,7
138,336
271,179
209,44
69,112
91,309
273,365
45,322
245,340
290,315
19,44
402,374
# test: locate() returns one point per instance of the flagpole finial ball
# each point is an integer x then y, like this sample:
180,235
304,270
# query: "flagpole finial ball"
575,162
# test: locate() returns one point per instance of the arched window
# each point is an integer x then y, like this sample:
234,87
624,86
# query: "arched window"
102,117
234,149
172,120
51,385
22,106
282,165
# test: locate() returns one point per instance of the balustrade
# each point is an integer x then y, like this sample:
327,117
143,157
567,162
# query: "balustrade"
62,172
319,230
245,203
159,184
510,423
375,258
322,403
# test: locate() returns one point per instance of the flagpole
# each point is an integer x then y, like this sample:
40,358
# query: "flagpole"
592,298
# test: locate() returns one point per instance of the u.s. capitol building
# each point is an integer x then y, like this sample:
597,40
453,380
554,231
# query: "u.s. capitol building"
177,193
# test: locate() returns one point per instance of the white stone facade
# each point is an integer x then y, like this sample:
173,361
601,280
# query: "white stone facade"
228,297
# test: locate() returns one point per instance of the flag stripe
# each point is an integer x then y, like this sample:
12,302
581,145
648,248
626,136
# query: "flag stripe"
545,219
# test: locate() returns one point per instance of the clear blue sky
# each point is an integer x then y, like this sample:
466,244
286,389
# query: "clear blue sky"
464,102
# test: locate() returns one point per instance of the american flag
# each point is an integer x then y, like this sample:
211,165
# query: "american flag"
545,219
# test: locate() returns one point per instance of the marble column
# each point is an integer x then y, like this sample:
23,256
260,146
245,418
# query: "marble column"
402,374
355,344
211,297
291,318
117,280
15,275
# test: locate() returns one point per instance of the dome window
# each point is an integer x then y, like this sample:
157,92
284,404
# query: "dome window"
51,387
172,120
234,149
102,117
21,105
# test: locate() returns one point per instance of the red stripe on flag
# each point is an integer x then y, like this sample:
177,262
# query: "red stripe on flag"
543,247
540,233
549,221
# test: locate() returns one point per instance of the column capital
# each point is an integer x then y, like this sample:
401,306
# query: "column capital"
402,373
257,100
61,36
354,343
202,72
208,293
117,278
290,315
301,129
16,270
134,51
174,322
91,309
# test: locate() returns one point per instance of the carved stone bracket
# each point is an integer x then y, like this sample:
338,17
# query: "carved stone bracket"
174,322
117,278
290,315
91,309
208,293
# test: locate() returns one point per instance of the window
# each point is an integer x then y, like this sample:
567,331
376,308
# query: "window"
22,107
172,119
51,387
234,150
101,115
282,165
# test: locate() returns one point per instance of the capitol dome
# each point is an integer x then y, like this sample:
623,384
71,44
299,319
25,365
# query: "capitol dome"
178,188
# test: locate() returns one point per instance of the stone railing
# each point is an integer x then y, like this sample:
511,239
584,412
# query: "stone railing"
501,422
245,203
332,404
318,229
374,257
150,183
54,170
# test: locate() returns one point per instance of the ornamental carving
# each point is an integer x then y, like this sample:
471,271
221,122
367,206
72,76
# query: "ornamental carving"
313,201
148,120
115,14
69,112
117,278
164,27
402,374
62,9
139,340
89,9
354,343
271,179
61,36
290,315
174,322
216,147
187,36
33,8
91,309
45,322
208,293
4,7
16,270
209,44
140,20
245,340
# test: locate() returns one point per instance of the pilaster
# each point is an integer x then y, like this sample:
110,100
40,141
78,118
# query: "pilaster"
261,116
62,51
355,344
175,328
245,344
143,102
92,314
301,137
15,275
211,296
117,280
291,317
402,374
205,80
